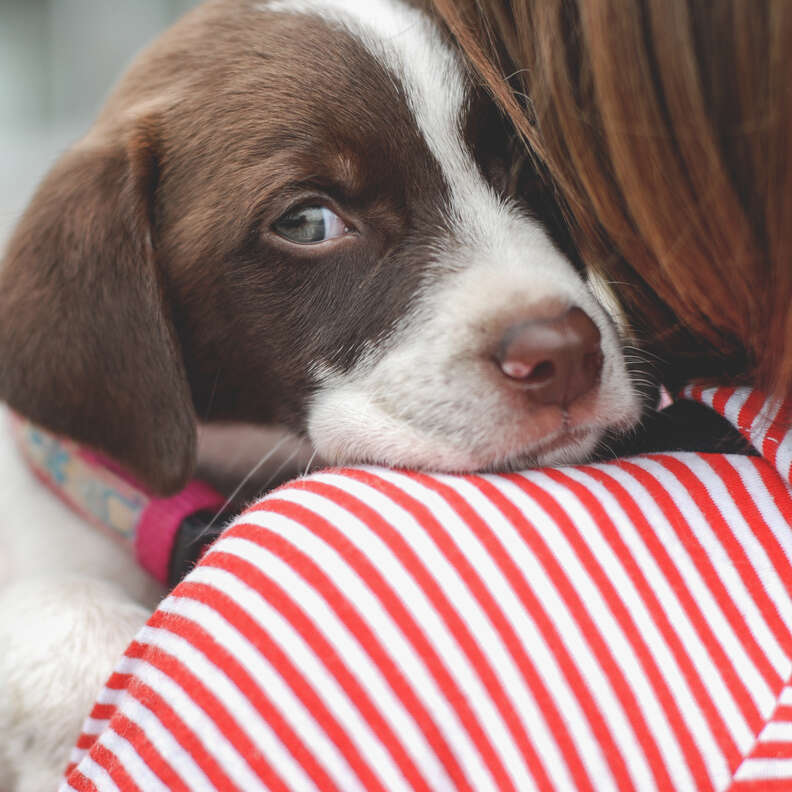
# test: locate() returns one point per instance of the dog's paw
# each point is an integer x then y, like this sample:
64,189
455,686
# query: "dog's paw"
60,639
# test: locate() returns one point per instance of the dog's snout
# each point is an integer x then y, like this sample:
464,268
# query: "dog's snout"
555,360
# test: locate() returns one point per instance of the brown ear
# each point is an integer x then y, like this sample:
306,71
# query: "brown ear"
87,348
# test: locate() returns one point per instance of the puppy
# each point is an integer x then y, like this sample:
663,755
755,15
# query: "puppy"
294,212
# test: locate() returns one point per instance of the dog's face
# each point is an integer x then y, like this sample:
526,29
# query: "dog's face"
302,211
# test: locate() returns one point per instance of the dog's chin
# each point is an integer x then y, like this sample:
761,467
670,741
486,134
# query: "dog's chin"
413,450
567,447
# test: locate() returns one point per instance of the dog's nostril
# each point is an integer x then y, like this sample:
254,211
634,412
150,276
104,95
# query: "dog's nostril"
554,360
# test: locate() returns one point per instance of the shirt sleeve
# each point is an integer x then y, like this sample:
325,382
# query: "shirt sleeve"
614,626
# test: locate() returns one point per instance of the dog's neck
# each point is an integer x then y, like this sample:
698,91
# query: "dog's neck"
167,535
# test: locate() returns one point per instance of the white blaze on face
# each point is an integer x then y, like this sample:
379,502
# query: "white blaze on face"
431,396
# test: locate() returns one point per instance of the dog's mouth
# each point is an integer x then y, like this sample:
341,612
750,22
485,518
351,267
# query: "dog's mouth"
567,446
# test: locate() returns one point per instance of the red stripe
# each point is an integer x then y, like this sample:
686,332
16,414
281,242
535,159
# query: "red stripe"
763,785
772,749
437,597
119,681
69,769
476,586
348,614
719,399
174,724
218,713
703,564
152,758
114,768
632,630
269,649
445,545
748,412
524,663
103,711
761,530
783,713
599,726
220,657
391,602
778,489
81,783
687,603
86,741
594,638
733,548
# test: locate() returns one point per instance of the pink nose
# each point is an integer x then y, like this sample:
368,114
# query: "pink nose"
554,360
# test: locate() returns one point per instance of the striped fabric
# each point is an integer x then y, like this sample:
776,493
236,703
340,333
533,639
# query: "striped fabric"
604,627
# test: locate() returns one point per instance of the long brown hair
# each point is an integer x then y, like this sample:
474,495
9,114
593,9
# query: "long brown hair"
667,127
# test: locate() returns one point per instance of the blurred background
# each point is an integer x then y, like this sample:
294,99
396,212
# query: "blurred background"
58,61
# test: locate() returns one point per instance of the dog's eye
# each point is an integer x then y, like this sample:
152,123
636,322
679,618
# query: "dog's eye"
310,225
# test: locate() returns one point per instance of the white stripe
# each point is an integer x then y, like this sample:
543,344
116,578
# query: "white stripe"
702,595
666,662
777,731
370,609
94,726
113,696
165,743
498,655
544,661
764,770
202,725
98,775
266,675
215,679
570,634
76,755
130,760
785,699
708,672
763,421
733,405
716,552
622,651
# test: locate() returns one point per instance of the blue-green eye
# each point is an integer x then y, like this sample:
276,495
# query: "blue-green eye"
310,225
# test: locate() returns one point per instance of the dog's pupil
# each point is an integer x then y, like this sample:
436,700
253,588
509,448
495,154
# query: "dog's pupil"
304,226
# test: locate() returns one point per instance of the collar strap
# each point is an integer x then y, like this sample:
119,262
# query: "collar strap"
167,534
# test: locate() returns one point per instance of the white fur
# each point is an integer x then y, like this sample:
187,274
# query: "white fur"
430,396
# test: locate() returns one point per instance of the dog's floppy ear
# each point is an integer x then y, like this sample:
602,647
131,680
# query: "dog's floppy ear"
87,346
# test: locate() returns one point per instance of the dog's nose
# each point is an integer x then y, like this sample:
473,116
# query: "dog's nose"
554,360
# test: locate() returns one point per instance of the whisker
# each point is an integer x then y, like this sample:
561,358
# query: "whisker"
244,481
310,462
280,467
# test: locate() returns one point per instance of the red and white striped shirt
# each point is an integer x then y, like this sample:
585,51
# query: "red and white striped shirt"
614,626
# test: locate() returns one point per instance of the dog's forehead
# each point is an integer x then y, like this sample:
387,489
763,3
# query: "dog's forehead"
425,70
407,43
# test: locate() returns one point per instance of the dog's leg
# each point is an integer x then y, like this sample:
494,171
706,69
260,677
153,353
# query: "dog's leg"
60,639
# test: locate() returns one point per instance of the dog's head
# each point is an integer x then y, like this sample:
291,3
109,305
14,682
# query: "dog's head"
303,212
